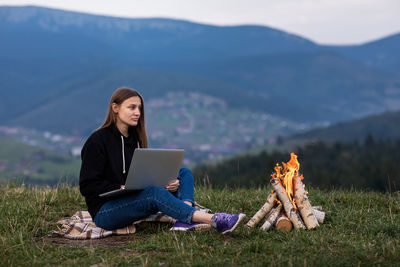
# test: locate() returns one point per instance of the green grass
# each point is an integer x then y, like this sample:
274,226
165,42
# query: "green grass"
24,162
361,228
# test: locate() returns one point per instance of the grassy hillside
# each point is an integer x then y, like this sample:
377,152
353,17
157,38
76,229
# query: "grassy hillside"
35,165
361,228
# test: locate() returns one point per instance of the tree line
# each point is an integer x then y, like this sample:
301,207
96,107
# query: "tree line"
370,164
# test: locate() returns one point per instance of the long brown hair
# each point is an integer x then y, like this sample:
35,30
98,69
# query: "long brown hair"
119,96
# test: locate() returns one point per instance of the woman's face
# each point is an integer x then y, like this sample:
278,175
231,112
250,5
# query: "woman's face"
128,112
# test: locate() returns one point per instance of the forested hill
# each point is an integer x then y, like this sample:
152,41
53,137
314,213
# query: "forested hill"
380,127
59,64
371,165
383,53
361,154
72,34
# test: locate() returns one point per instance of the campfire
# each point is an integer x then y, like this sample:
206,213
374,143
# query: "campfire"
288,205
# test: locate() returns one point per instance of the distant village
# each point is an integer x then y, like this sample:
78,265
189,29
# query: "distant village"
202,125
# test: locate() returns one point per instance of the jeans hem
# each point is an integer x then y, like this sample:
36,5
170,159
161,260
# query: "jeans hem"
190,216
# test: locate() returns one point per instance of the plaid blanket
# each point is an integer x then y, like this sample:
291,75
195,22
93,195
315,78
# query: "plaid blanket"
81,226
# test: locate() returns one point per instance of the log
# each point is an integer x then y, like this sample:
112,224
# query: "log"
291,212
320,215
303,204
268,205
317,208
271,218
283,223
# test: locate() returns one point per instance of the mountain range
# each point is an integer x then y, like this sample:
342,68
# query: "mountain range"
59,68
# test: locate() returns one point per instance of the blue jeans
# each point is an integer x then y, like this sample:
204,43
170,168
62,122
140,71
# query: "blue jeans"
125,210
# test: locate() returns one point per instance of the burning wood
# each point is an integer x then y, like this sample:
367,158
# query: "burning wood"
304,205
292,198
291,212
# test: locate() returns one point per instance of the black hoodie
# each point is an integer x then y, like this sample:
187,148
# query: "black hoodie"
104,165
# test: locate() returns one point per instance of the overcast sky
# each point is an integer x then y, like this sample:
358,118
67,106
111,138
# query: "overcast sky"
323,21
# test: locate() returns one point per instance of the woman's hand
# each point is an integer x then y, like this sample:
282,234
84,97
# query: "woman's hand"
173,186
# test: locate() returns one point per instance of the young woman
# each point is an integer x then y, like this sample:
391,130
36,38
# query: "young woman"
106,158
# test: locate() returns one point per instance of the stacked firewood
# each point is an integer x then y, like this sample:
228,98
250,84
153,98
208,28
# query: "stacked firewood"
288,205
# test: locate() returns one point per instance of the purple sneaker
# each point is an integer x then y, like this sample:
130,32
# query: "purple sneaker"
181,226
226,223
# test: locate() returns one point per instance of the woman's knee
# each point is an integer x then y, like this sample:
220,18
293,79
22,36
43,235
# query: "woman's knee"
185,173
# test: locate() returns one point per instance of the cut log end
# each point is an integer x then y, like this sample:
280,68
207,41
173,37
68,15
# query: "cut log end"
283,223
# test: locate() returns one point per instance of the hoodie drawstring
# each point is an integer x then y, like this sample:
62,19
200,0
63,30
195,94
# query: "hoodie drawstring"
123,154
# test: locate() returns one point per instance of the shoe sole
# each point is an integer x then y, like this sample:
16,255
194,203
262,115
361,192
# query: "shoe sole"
198,227
241,217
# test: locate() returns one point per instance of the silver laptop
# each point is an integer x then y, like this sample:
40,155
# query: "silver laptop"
151,167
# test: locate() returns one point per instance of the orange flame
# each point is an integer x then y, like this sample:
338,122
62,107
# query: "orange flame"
286,175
